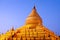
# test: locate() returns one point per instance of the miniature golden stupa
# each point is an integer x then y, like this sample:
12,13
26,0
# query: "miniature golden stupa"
32,30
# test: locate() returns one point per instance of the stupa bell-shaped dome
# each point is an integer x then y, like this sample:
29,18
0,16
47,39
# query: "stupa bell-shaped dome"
33,17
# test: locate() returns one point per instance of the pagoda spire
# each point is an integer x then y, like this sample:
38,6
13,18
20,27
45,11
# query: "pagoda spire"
34,7
33,17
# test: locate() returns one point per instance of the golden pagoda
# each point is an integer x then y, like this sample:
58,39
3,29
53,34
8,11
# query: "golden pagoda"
33,29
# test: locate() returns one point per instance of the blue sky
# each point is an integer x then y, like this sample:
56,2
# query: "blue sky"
14,13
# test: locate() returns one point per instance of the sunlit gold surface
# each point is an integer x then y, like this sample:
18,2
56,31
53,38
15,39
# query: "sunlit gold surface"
32,30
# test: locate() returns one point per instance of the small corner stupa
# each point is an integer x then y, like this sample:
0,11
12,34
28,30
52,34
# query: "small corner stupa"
32,30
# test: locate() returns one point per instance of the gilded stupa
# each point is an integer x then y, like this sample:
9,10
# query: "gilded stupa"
33,29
